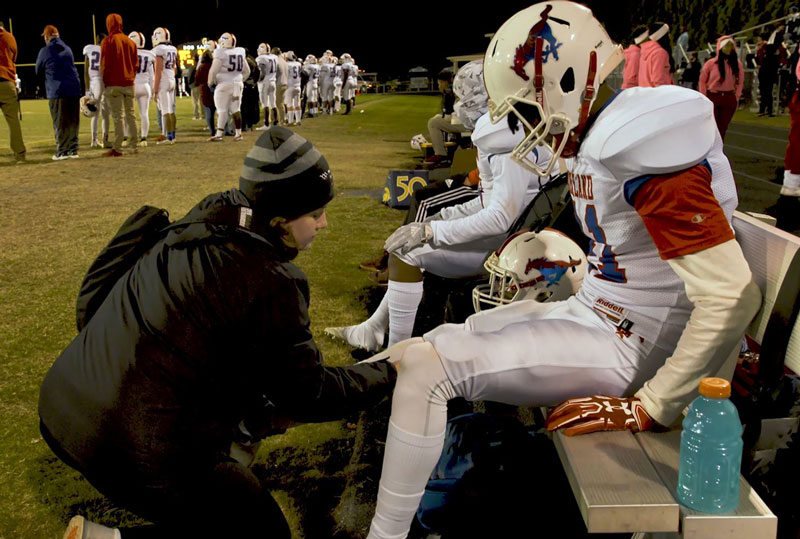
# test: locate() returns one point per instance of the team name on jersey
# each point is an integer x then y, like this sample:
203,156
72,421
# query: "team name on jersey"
580,185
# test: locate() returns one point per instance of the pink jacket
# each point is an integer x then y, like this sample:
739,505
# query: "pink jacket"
630,74
654,65
711,81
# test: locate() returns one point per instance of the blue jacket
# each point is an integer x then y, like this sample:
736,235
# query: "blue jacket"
56,63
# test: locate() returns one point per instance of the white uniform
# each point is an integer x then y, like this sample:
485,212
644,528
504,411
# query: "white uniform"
468,232
91,54
349,80
327,72
337,85
143,87
229,75
165,93
312,86
268,64
293,96
631,309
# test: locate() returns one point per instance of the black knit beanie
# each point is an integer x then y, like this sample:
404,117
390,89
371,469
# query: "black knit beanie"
284,175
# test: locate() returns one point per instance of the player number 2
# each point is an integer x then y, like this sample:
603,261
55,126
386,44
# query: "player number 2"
609,267
94,63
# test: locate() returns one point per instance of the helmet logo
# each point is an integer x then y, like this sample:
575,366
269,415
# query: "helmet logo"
527,52
551,270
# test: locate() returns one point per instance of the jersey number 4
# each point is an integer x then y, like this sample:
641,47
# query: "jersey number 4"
609,267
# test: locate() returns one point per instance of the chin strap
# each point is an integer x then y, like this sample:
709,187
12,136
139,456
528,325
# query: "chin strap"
588,97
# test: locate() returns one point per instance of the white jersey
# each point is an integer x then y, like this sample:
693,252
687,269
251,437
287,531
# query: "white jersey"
145,74
312,70
633,142
337,74
233,64
268,64
293,70
327,72
505,188
92,55
169,55
346,71
354,71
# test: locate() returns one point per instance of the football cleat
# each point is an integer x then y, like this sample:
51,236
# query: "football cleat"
238,138
215,138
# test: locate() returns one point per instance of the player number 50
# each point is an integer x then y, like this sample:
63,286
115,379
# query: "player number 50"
406,185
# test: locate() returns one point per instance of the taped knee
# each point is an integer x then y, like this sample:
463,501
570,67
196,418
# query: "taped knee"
420,375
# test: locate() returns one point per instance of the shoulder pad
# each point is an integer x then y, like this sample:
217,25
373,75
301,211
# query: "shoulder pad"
652,131
495,138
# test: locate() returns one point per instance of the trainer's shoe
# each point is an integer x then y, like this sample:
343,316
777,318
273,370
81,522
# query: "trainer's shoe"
73,155
80,528
215,138
360,336
112,153
59,157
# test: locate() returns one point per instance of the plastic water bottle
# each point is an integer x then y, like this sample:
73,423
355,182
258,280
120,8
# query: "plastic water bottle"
711,451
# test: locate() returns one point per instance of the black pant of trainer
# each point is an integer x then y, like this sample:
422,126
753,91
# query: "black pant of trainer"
65,112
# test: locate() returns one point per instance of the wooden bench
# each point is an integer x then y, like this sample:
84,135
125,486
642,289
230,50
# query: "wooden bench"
625,482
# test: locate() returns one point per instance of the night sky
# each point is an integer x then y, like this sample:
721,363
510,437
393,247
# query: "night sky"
387,37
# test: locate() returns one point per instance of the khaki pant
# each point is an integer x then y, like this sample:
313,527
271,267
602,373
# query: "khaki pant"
10,105
119,100
280,92
436,128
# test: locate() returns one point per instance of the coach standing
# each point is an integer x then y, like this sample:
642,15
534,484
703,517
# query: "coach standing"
118,64
9,101
56,63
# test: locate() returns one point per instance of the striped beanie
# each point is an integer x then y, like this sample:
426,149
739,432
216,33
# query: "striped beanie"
284,175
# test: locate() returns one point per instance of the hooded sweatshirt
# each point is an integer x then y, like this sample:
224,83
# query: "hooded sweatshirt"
118,58
654,65
56,63
710,79
8,56
630,74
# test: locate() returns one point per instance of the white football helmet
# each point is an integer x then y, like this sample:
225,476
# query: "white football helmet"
291,56
311,59
473,101
138,38
88,106
553,56
263,48
328,53
227,41
417,141
543,266
325,60
334,60
160,35
346,58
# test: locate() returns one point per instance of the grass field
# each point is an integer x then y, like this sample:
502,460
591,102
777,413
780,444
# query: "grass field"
56,216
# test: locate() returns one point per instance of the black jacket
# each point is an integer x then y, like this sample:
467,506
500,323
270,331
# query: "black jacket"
192,340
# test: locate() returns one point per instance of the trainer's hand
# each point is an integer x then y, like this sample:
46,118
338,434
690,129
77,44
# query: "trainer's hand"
599,412
407,237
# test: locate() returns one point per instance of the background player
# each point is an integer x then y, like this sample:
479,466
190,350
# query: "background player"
143,85
327,72
93,81
349,81
312,86
164,81
668,295
337,83
228,72
268,69
293,96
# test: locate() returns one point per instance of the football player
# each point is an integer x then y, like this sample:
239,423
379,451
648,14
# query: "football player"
327,73
337,83
668,295
311,68
293,89
456,240
349,81
164,82
228,72
268,69
143,84
94,88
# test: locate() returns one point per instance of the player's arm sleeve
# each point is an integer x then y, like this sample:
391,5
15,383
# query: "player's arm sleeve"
465,209
508,196
157,76
690,231
216,65
262,72
151,72
245,70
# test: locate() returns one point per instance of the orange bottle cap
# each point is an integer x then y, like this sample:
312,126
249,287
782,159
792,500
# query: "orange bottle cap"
715,388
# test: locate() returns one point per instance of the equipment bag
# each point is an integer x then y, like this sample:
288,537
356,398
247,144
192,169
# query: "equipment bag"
400,186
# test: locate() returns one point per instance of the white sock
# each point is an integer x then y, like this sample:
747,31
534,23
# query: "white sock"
369,333
219,133
238,132
407,464
404,299
791,183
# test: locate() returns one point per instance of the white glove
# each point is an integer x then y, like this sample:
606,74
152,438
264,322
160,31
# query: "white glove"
408,237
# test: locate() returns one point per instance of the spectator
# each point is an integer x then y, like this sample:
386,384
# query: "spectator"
691,72
194,90
250,111
442,123
682,45
630,74
771,54
119,62
9,97
56,63
201,80
722,81
148,399
656,64
787,208
281,80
